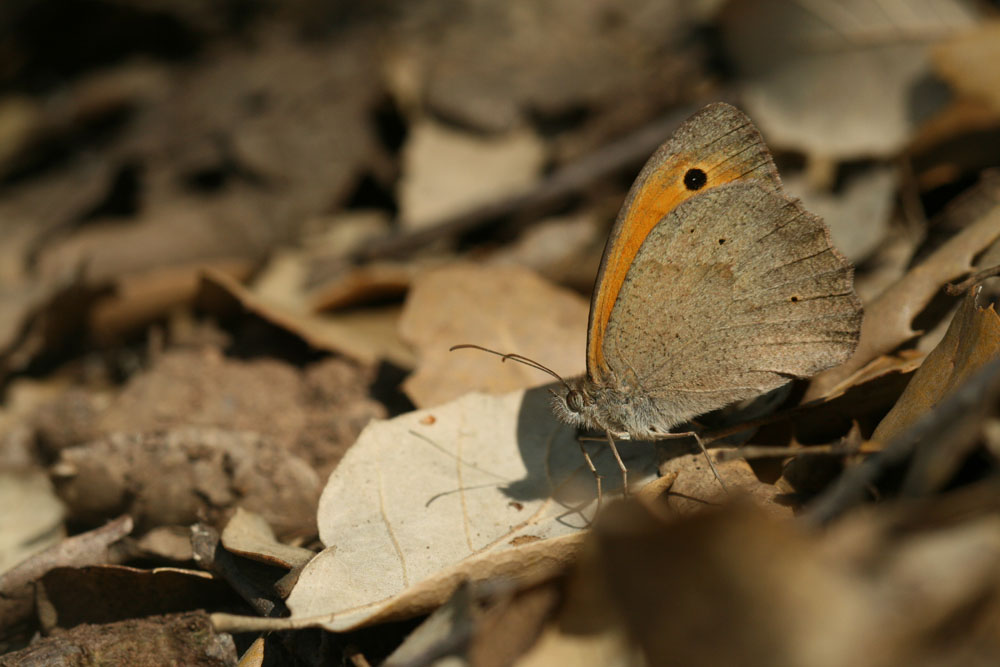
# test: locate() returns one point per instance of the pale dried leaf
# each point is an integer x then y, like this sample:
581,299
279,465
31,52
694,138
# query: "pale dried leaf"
249,535
31,518
491,486
167,543
506,308
343,233
446,171
839,79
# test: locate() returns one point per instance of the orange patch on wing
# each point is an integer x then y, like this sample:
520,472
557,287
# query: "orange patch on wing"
663,191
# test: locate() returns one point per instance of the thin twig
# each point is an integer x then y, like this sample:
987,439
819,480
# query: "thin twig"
959,288
777,452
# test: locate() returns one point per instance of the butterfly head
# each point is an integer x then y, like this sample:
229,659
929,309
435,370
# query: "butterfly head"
574,404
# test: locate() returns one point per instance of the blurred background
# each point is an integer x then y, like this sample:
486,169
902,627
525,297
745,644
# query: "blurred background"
273,179
320,153
274,218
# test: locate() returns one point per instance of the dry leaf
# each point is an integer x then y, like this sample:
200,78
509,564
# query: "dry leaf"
695,488
509,309
247,534
47,203
166,544
363,284
839,79
446,171
500,63
558,646
956,145
48,321
971,342
21,121
967,61
96,594
18,586
30,126
234,112
444,633
858,213
511,626
143,298
781,596
283,286
179,234
495,487
888,319
659,582
366,337
32,518
564,250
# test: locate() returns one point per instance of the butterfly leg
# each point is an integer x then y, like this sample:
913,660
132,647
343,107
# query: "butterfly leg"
621,464
704,450
593,470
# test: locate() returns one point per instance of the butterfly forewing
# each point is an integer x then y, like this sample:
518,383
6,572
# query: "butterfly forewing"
731,294
714,147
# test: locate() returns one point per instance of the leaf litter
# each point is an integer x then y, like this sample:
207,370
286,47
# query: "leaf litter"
231,272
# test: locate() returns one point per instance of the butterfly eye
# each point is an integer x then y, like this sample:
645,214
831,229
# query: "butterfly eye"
695,179
574,401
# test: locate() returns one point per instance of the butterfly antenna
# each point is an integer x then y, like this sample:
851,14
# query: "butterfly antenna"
504,356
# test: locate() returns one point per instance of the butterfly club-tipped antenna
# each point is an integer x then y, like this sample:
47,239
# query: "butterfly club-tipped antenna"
504,356
513,356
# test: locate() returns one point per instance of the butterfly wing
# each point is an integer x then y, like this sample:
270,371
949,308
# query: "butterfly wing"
730,295
716,146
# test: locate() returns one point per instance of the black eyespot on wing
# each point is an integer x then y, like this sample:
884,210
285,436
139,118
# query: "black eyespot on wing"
695,179
794,299
722,241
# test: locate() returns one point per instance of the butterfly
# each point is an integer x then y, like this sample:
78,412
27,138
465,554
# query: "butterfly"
715,287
